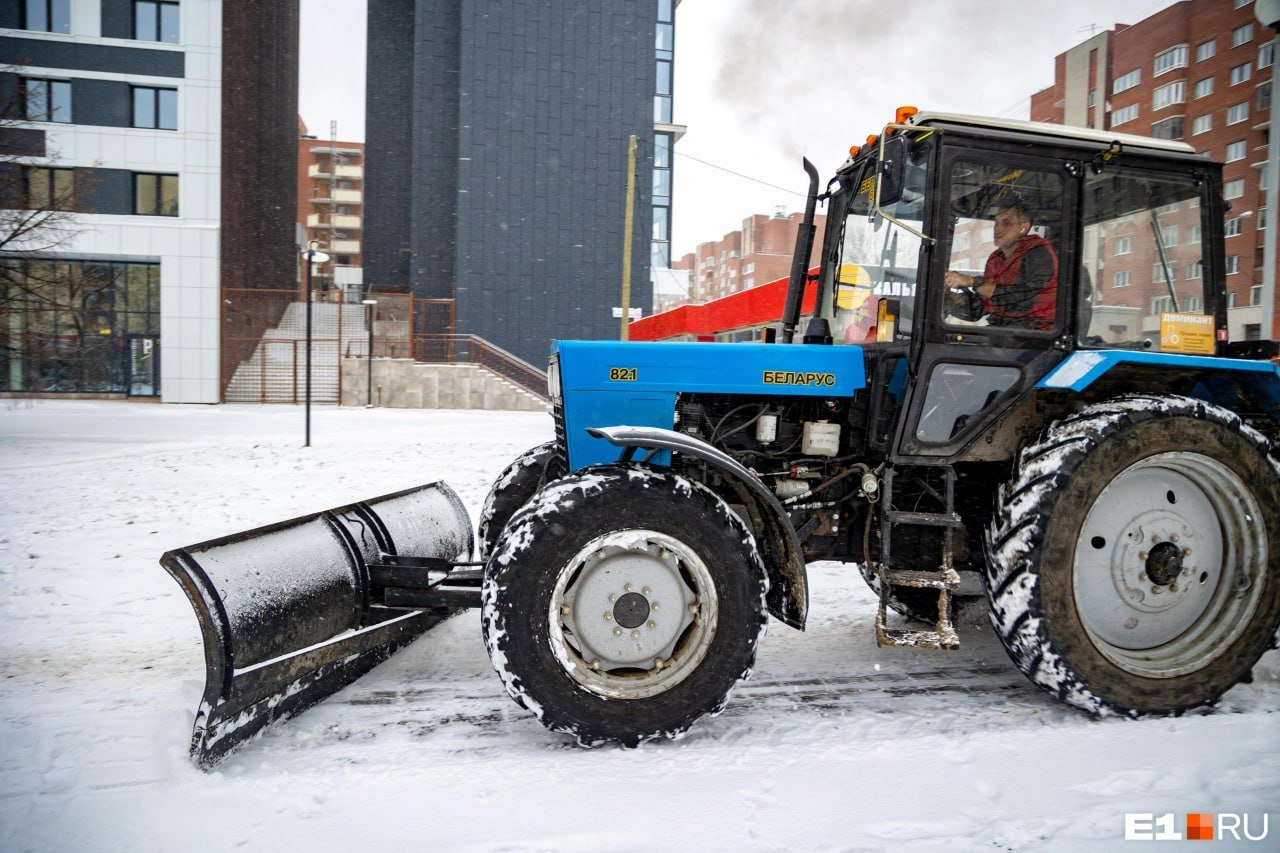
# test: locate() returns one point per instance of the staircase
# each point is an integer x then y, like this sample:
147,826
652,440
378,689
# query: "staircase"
276,372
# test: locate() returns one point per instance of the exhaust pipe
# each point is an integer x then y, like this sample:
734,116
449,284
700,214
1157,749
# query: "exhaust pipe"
800,260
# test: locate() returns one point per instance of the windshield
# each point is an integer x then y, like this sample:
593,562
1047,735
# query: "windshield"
876,256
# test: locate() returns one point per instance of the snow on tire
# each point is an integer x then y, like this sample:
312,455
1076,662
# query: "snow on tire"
623,603
527,473
1133,565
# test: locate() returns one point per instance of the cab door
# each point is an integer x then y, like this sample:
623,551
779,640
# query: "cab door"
995,316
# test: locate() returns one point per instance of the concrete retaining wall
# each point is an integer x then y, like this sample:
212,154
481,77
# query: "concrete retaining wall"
405,384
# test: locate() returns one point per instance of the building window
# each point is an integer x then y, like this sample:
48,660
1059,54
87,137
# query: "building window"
1241,73
662,109
1174,57
664,38
46,100
50,189
155,195
1233,189
157,108
1126,81
1266,55
1238,113
1262,218
1161,304
1233,264
1201,124
1264,96
1158,271
1203,88
1232,227
1124,245
1236,151
1174,93
1255,292
1122,278
1193,234
1206,50
1195,269
1170,128
47,16
155,21
1242,35
1124,114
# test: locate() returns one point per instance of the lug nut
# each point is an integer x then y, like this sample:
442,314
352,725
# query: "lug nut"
659,663
617,632
1173,587
635,635
613,596
1142,555
1155,538
1173,537
644,591
608,617
1186,552
652,624
627,587
654,605
1142,576
595,664
564,610
1157,589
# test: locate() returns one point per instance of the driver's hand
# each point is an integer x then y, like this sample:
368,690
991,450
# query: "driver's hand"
955,279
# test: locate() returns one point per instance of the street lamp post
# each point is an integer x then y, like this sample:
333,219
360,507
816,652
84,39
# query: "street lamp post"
313,256
369,307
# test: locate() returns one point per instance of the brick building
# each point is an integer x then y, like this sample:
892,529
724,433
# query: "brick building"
759,252
1198,71
331,206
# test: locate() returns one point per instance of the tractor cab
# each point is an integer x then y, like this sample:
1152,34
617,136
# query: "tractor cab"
980,254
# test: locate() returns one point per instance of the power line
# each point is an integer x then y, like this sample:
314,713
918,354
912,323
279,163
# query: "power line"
738,174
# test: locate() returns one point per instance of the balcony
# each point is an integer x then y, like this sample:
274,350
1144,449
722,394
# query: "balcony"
326,196
322,171
339,150
337,220
345,247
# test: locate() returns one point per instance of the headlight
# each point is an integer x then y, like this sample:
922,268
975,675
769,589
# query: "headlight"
553,379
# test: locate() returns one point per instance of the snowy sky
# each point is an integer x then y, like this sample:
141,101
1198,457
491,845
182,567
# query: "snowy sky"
760,83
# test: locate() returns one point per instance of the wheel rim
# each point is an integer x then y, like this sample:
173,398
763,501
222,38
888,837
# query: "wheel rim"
632,614
1167,562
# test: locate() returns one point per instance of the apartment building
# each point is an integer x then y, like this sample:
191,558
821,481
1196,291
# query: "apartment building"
115,115
759,252
497,142
331,206
1198,71
162,132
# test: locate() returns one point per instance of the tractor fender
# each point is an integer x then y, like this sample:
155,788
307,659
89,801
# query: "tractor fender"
788,597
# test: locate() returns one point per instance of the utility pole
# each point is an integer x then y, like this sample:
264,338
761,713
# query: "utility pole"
627,228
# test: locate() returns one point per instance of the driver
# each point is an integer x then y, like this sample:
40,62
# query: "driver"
1019,286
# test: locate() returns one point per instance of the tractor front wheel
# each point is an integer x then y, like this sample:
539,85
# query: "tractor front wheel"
622,604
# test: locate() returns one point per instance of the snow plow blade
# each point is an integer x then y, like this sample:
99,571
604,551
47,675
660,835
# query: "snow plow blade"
292,612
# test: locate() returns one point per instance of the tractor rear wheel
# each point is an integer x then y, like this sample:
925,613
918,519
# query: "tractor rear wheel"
622,604
527,473
1134,561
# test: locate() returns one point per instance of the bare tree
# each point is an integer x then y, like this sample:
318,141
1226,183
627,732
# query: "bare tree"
38,205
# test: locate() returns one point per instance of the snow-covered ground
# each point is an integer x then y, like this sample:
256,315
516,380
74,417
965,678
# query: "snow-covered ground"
833,745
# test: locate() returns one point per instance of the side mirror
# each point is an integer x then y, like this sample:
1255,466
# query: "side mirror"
893,168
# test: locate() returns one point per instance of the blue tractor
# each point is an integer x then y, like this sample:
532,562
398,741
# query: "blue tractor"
1044,411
